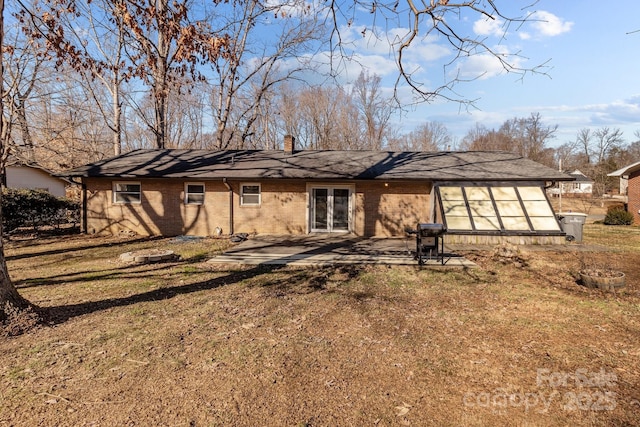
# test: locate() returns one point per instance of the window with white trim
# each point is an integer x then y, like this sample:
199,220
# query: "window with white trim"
250,194
477,208
193,193
127,192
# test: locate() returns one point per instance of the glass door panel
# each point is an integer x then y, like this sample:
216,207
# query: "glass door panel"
340,209
320,209
330,209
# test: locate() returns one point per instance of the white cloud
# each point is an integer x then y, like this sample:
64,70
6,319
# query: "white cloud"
549,25
483,66
524,35
489,27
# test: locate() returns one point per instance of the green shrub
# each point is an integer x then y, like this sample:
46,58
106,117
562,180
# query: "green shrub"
615,207
36,208
618,217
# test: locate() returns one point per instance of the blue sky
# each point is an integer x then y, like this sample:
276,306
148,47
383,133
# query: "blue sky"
592,78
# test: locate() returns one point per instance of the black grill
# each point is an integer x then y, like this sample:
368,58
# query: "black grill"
430,242
430,229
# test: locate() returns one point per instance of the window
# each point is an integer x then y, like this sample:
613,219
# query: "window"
193,193
497,209
250,195
127,192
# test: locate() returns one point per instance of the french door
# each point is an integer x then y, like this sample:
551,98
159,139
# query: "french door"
330,209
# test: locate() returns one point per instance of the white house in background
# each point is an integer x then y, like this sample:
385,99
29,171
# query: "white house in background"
582,184
33,177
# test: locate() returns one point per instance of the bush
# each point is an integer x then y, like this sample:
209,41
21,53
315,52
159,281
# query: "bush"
616,207
618,216
36,208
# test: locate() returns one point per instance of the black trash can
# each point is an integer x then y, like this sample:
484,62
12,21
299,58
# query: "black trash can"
572,224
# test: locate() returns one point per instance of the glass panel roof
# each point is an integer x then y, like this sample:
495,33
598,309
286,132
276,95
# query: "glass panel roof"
451,193
538,208
486,223
499,208
544,223
459,223
477,193
454,208
509,208
504,193
515,223
481,208
531,193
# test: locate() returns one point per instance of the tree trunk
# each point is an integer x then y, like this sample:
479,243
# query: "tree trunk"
161,90
16,313
161,121
9,296
117,118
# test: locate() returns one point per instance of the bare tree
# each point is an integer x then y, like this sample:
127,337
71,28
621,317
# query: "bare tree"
71,131
481,138
526,136
12,304
375,109
529,137
584,141
606,140
535,138
186,118
241,88
164,45
435,18
429,136
597,144
633,150
20,80
567,156
599,149
324,118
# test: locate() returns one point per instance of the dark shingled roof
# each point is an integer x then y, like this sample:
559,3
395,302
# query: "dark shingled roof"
580,177
308,164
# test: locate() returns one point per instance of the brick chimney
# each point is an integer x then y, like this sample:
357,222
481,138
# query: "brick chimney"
289,144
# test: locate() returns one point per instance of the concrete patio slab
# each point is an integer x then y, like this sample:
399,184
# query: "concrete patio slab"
327,250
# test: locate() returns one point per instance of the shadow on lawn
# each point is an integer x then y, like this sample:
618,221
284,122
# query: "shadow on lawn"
127,271
313,280
60,314
67,250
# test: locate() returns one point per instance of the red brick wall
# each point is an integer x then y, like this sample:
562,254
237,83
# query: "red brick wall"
634,196
161,212
379,209
282,209
386,209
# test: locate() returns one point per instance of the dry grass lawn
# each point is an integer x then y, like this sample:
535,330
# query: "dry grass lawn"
514,342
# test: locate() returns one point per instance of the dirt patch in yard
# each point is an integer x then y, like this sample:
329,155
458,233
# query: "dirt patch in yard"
514,342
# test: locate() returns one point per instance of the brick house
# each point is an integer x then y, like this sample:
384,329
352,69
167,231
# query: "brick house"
630,186
480,195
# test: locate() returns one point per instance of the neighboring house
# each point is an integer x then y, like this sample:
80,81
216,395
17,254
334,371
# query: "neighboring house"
581,186
480,196
33,177
630,185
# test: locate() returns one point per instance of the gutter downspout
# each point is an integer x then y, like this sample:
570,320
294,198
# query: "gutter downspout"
226,184
83,222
